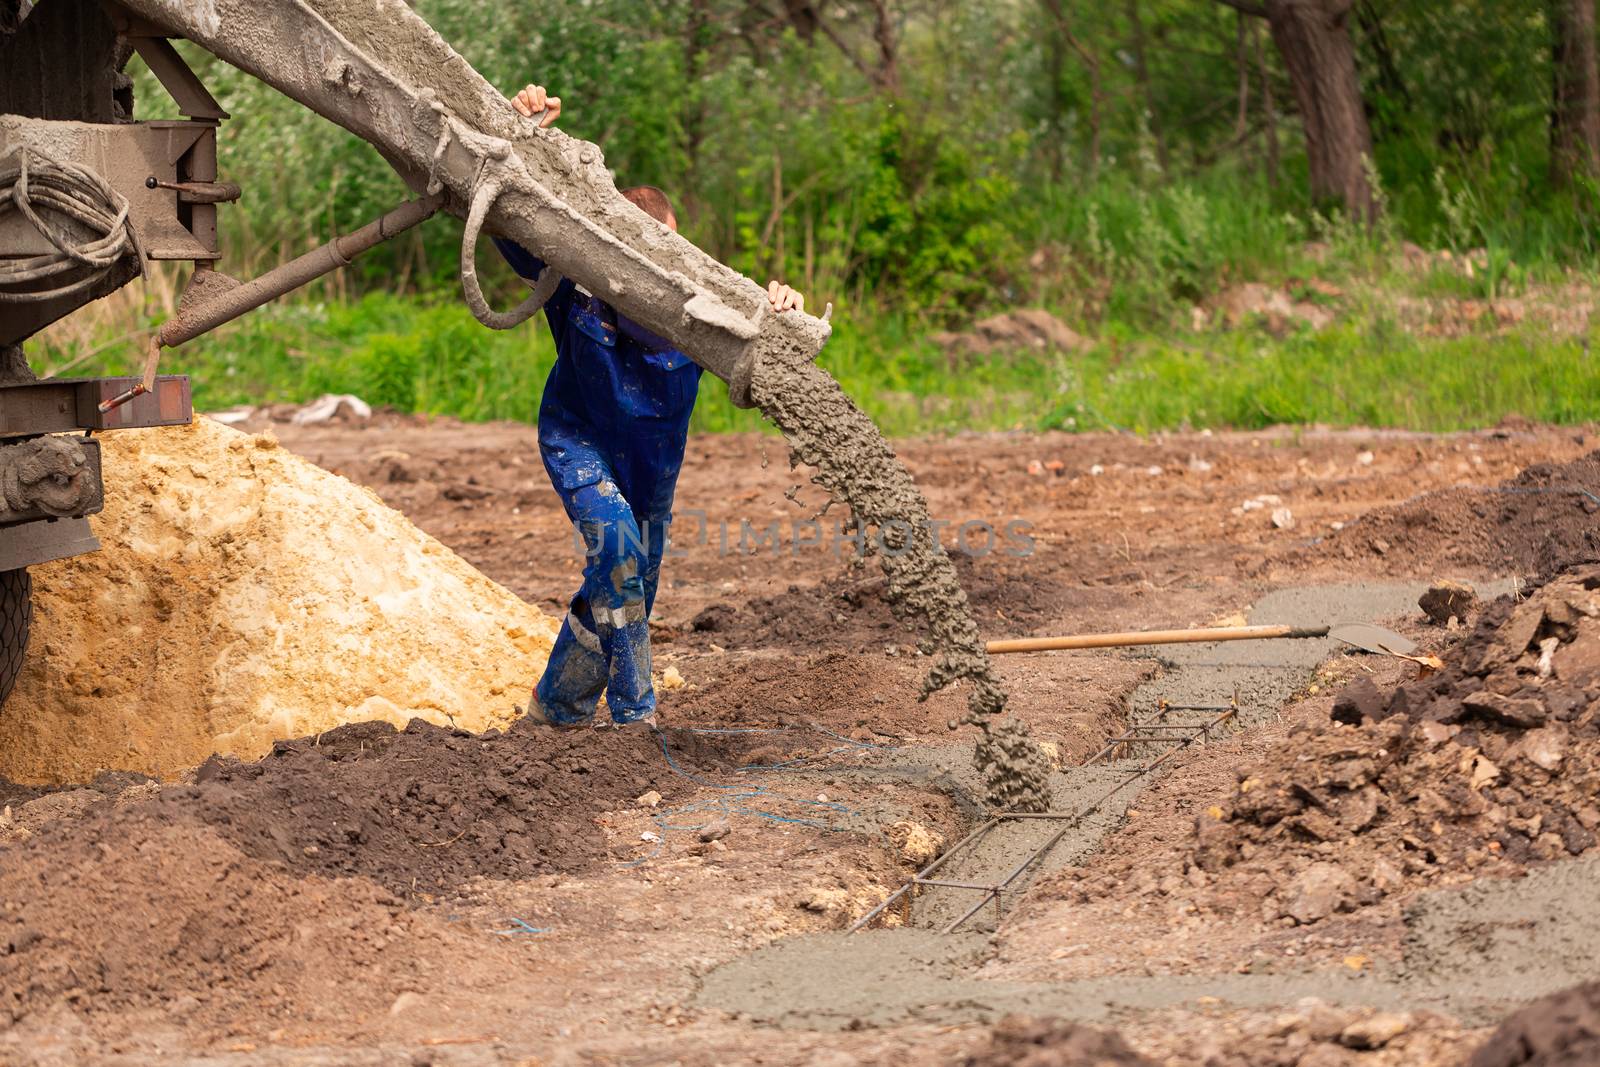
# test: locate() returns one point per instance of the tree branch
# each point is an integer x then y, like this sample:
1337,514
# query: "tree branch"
849,53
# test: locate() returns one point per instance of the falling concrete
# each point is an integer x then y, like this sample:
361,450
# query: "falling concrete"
828,432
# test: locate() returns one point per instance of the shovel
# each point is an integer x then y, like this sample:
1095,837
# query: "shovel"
1360,635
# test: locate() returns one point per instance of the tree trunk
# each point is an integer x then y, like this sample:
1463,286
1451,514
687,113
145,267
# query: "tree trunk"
1269,115
1055,70
1575,110
1241,122
1313,38
803,17
888,70
696,30
1061,33
1141,72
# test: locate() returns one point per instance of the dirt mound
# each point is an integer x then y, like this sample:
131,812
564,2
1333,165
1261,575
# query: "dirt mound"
1022,330
172,917
1005,594
1490,764
1280,310
1562,1030
244,595
1544,519
24,812
418,810
1482,768
1021,1041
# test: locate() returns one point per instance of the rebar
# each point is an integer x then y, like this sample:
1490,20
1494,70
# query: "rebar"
1071,819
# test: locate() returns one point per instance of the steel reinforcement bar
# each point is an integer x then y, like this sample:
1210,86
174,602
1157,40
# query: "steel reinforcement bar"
1177,736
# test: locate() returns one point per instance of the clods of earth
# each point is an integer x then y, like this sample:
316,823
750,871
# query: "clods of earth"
1396,866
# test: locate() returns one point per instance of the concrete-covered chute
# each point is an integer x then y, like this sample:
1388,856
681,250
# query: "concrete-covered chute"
377,69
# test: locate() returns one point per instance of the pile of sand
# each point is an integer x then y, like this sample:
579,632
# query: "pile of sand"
244,595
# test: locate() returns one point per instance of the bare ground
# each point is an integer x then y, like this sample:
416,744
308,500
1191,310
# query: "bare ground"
571,923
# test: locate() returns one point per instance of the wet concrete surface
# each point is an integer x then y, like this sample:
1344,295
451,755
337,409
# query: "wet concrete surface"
1474,952
1462,946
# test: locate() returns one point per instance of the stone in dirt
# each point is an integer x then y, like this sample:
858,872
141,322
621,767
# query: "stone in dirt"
244,595
1446,599
915,844
1023,1041
1561,1030
1360,702
1375,1031
1319,891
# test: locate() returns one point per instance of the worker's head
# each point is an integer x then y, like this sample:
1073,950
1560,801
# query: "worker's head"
652,202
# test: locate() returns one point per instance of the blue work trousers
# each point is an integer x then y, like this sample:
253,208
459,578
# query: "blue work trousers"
623,517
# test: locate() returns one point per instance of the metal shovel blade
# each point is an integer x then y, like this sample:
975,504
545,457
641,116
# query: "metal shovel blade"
1374,639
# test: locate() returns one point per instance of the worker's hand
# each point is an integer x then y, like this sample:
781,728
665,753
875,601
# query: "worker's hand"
784,298
533,99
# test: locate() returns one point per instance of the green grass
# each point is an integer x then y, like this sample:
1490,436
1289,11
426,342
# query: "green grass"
433,358
1349,375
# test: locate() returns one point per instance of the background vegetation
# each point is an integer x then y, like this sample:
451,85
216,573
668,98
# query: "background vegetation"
923,163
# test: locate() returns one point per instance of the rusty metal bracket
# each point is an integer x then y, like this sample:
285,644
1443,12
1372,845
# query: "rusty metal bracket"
193,99
198,192
239,298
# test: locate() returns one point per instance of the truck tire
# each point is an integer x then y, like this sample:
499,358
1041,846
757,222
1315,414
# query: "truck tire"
16,619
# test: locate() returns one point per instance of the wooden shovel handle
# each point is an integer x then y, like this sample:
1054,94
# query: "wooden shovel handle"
1152,637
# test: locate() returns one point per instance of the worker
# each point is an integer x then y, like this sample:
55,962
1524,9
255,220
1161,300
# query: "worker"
613,424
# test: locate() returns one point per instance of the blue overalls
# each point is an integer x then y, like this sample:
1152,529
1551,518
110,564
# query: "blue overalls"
612,428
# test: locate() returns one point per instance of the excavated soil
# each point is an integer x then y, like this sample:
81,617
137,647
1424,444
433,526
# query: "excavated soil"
155,914
1544,519
573,893
420,810
1020,1041
1561,1030
1479,769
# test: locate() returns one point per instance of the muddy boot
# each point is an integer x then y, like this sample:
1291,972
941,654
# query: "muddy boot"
536,716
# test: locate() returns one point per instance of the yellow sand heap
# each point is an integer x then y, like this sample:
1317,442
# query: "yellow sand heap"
244,595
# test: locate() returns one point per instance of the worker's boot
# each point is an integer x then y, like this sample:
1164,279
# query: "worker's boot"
537,716
575,676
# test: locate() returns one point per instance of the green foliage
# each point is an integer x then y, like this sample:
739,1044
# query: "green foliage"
1112,162
1361,374
434,358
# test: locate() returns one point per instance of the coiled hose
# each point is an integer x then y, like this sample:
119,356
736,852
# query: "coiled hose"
61,200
